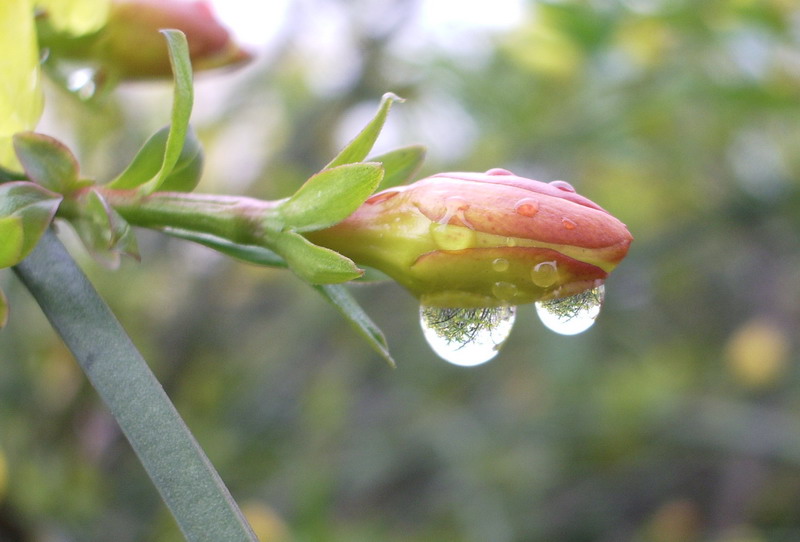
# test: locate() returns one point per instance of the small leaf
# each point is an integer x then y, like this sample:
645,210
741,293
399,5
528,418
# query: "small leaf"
400,165
359,147
338,295
147,163
12,238
33,205
249,253
330,196
182,100
312,263
46,161
103,231
3,310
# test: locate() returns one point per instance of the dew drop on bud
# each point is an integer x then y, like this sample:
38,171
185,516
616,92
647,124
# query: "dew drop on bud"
500,265
504,291
574,314
568,224
527,207
466,337
448,237
545,274
498,171
563,185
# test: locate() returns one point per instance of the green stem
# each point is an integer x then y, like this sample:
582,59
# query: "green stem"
180,470
238,219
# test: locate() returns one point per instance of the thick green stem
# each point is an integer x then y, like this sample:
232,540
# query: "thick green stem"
238,219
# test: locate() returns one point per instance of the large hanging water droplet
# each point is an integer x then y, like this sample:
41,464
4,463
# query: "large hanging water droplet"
574,314
466,337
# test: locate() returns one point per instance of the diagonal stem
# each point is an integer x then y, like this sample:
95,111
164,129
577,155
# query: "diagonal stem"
180,470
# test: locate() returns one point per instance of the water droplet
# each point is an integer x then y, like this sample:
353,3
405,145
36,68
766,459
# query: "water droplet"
511,242
568,223
449,237
466,337
500,265
527,207
563,185
82,83
545,274
498,171
574,314
504,291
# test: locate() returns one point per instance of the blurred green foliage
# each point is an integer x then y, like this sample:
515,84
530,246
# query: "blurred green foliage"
674,419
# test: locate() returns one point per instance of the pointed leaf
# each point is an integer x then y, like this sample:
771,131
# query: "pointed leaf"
33,205
147,163
182,100
46,161
400,165
313,263
330,196
359,147
248,253
338,295
12,237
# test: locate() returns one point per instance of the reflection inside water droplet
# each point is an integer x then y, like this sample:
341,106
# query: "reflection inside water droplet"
466,337
574,314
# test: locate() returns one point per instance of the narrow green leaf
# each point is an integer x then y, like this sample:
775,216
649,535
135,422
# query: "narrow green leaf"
46,161
183,475
249,253
312,263
359,147
330,196
338,295
147,163
12,238
3,309
182,100
399,165
33,205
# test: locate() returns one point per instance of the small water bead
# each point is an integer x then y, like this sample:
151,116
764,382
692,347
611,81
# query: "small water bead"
498,171
504,291
563,185
500,265
448,237
545,274
574,314
527,207
466,337
568,223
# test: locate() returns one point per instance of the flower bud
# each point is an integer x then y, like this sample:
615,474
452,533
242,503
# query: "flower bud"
483,239
131,47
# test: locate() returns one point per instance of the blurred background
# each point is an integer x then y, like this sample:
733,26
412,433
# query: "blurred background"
675,418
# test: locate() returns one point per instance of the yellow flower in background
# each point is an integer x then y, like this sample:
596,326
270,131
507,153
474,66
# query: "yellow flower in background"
21,86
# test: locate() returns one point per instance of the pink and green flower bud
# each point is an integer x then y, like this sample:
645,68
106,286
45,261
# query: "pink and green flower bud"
131,47
483,239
